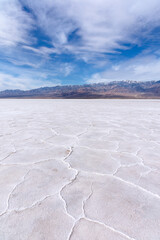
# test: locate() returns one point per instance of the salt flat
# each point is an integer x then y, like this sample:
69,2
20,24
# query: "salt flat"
79,169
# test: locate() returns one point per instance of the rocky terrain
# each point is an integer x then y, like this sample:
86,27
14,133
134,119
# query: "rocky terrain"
122,89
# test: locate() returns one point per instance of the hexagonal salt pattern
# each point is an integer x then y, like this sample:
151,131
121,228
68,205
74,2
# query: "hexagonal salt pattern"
79,169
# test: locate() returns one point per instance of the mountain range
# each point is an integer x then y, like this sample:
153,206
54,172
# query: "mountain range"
116,89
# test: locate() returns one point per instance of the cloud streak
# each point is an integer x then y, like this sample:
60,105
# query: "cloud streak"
15,24
141,68
100,25
62,36
26,81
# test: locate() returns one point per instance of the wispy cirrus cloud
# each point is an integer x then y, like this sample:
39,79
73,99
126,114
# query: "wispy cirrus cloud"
62,36
42,51
15,24
80,27
100,26
144,67
26,81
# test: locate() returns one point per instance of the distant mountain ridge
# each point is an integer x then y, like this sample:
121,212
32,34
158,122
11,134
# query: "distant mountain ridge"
116,89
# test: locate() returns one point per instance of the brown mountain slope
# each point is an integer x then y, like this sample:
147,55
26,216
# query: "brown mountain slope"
121,89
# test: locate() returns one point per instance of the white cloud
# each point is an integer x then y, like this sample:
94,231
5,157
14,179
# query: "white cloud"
25,82
102,25
15,24
140,68
67,69
15,76
43,51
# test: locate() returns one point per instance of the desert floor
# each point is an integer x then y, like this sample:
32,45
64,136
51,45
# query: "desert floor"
79,169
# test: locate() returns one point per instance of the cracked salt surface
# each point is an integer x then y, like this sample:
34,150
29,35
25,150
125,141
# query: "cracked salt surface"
79,169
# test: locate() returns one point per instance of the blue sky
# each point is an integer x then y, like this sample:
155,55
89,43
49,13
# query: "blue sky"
59,42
